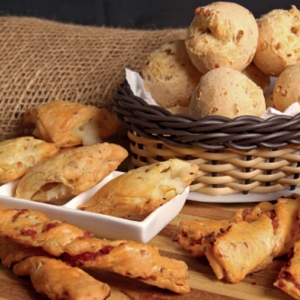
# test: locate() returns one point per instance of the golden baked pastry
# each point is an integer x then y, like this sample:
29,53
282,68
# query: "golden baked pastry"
20,154
57,280
241,249
193,232
288,279
228,93
169,75
222,34
278,42
79,248
142,190
70,173
69,124
287,88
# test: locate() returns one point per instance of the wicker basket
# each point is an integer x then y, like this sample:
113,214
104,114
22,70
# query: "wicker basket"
235,156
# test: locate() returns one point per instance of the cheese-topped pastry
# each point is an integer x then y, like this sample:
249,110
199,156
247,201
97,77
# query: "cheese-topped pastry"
18,155
142,190
57,280
70,173
68,123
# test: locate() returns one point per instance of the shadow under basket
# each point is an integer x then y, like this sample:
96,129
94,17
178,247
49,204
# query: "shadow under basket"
235,156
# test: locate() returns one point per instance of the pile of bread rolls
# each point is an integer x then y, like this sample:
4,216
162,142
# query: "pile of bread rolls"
224,65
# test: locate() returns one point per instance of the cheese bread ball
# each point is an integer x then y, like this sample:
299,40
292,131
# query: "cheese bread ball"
256,75
279,40
287,88
228,93
169,75
222,34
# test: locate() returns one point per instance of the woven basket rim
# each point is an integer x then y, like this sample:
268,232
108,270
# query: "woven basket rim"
211,132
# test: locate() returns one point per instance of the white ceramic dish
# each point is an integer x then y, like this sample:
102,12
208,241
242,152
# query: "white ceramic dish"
239,198
100,225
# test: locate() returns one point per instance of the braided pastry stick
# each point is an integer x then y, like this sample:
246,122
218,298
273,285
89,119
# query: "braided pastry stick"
78,247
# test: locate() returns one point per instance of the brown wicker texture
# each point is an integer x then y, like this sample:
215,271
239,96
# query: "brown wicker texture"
243,155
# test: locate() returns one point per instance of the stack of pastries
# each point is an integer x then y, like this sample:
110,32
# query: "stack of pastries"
226,63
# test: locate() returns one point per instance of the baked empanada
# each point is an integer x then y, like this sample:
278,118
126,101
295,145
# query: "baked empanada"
142,190
241,249
68,123
193,232
18,155
70,173
57,280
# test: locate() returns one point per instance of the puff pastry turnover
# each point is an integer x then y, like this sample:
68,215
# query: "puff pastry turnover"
70,172
68,123
142,190
18,155
58,280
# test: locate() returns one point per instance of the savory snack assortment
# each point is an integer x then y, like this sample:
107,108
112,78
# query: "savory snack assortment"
226,35
37,244
249,241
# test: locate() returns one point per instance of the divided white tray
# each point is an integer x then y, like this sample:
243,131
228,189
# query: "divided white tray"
100,225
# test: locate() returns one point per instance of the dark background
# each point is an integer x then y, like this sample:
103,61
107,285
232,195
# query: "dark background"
135,14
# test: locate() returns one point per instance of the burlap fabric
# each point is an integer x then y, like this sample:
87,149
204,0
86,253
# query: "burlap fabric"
42,60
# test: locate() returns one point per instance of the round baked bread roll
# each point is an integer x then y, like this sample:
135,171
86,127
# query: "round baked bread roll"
228,93
222,34
279,40
169,75
287,88
256,75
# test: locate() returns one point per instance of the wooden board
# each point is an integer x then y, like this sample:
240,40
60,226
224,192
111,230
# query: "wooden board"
203,282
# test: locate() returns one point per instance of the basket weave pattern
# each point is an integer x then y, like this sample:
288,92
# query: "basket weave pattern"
242,155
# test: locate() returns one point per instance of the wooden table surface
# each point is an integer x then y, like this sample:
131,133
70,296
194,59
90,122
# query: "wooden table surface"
203,282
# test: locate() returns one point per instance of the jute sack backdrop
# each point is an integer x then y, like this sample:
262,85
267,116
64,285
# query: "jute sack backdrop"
42,60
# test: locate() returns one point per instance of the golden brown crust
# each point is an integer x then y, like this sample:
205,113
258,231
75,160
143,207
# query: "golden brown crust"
241,249
169,75
228,93
20,154
68,123
142,190
70,173
57,280
79,248
278,40
130,259
222,35
286,90
288,279
193,232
